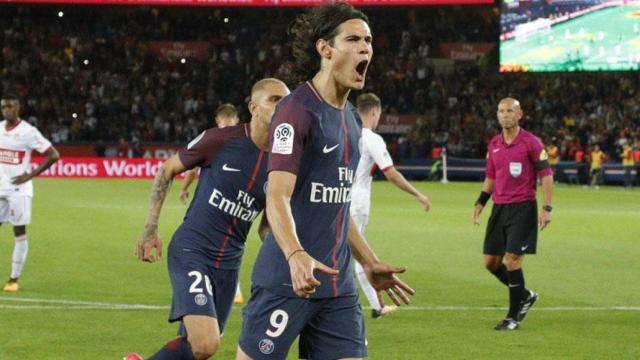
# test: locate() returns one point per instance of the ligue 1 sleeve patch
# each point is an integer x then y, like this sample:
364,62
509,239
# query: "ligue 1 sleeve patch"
195,141
543,155
283,139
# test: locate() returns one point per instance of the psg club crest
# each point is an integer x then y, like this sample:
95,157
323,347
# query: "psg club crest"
200,299
266,346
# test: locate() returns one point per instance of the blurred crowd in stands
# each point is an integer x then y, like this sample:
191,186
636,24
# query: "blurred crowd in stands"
88,76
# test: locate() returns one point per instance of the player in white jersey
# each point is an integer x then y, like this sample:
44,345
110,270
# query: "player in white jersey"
17,140
374,154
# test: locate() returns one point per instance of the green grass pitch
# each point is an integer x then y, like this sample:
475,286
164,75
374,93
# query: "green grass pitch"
607,39
81,264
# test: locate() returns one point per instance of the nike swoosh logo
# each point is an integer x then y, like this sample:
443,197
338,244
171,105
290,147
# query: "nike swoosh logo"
226,167
495,150
524,248
513,285
327,150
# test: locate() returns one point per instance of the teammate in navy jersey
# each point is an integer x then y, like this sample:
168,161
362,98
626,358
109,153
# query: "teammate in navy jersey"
205,251
313,157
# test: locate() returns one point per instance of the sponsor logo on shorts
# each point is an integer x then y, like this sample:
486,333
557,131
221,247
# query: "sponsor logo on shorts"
200,299
266,346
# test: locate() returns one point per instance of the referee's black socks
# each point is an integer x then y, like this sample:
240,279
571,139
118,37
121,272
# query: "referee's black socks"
501,273
516,292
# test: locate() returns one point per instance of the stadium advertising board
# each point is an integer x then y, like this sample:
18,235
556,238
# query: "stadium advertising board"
570,35
156,151
94,167
251,2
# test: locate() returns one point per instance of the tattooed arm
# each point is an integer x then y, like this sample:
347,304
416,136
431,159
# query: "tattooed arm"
162,183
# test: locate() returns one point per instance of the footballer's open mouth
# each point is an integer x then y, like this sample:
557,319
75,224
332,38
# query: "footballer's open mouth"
361,69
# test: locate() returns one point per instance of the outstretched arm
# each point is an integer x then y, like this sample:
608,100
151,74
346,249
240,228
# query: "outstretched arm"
161,184
393,175
301,264
51,156
382,276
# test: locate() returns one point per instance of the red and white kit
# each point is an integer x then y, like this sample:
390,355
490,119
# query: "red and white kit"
16,145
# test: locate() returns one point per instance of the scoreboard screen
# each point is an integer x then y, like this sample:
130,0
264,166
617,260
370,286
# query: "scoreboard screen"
570,35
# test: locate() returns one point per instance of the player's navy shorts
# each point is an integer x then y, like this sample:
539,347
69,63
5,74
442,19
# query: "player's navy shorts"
512,228
329,329
199,288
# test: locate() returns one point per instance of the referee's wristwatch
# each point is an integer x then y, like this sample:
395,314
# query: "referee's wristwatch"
547,208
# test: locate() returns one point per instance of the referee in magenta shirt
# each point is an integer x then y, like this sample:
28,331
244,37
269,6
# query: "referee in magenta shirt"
515,158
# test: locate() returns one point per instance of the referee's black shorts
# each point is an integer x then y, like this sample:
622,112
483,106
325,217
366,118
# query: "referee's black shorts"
512,228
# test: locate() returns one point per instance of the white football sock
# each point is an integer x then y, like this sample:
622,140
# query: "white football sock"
368,290
20,250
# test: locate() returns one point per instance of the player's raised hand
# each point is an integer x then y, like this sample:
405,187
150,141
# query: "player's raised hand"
383,277
477,210
149,241
21,179
184,196
302,267
424,200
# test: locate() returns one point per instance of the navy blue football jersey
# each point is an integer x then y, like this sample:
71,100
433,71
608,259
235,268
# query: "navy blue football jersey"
230,194
318,143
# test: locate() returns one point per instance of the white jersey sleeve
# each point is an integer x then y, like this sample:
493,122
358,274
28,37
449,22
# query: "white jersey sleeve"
377,149
36,141
373,153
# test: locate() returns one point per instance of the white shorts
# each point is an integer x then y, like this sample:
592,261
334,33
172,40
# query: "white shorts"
361,222
15,210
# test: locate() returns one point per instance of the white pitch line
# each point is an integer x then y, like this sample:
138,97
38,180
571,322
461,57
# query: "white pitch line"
81,307
493,308
77,303
90,305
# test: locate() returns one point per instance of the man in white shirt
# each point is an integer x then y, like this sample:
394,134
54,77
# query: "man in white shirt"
374,155
17,140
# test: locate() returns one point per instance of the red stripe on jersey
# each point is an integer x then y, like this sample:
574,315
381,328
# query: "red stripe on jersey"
12,157
229,231
314,91
9,128
334,256
345,128
387,168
